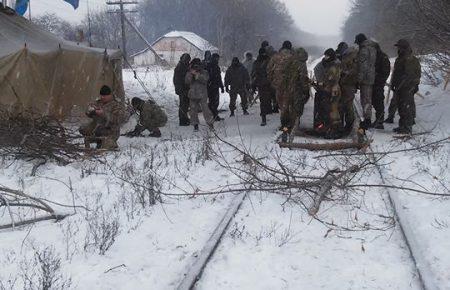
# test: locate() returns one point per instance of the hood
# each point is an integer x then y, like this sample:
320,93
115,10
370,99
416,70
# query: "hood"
302,54
368,43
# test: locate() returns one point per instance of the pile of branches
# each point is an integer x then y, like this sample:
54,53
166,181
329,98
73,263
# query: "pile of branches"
38,138
13,200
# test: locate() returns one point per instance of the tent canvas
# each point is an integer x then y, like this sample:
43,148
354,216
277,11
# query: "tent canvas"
44,74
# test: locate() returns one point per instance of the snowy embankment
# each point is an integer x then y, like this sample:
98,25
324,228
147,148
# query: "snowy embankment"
124,242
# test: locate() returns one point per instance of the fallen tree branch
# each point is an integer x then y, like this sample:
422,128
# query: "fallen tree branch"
325,146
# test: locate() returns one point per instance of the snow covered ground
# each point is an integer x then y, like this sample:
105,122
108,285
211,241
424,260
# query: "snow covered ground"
270,244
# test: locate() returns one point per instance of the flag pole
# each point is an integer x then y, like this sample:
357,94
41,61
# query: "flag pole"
29,9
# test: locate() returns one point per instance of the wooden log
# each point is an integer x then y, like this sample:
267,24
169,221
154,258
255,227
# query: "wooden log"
324,146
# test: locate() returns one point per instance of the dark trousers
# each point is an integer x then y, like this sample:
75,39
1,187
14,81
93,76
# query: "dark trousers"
265,101
322,107
393,106
378,102
406,107
183,108
213,101
233,97
347,110
273,98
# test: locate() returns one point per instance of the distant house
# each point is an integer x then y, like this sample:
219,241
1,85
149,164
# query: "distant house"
171,46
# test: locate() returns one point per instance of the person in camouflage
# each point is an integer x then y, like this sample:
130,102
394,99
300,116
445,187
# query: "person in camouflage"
182,89
107,116
261,83
348,83
270,51
237,82
382,72
197,79
248,64
276,72
405,84
151,118
326,113
367,56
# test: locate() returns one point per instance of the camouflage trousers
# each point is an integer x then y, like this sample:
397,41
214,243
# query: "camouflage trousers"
105,138
198,105
326,112
366,92
291,110
347,109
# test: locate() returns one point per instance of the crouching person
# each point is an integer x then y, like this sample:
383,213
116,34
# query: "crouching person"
107,116
151,118
197,79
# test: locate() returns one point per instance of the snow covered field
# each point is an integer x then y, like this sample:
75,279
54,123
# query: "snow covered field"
271,243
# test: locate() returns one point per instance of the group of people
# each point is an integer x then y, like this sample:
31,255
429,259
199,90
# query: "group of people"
283,85
281,81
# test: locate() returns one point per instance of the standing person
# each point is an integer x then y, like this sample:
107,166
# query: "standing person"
405,84
348,83
270,51
341,49
182,89
237,82
107,116
382,72
151,118
214,84
276,72
367,56
197,79
206,59
261,83
326,117
248,64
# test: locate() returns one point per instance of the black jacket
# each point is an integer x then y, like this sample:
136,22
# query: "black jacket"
382,68
215,76
179,76
237,77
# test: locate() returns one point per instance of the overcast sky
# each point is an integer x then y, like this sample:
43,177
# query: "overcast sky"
319,16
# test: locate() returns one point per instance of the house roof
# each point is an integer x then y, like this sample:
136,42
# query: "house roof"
191,37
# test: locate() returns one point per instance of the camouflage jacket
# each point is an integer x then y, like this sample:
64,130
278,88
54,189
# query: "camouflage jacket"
407,72
114,114
277,64
296,74
349,67
198,85
152,116
367,57
328,74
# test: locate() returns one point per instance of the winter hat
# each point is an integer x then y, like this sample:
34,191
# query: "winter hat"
248,54
105,91
287,45
342,47
264,44
196,62
403,43
360,38
235,61
136,102
331,53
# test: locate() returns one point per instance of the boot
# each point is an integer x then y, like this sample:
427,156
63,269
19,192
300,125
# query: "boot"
232,113
263,121
389,120
156,133
285,135
218,119
378,124
403,130
246,112
196,128
365,124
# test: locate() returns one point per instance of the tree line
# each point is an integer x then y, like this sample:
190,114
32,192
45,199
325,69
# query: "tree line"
425,23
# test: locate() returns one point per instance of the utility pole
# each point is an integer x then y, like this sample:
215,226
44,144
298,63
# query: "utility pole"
122,12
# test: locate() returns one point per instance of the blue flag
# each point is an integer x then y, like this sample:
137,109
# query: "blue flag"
74,3
21,6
